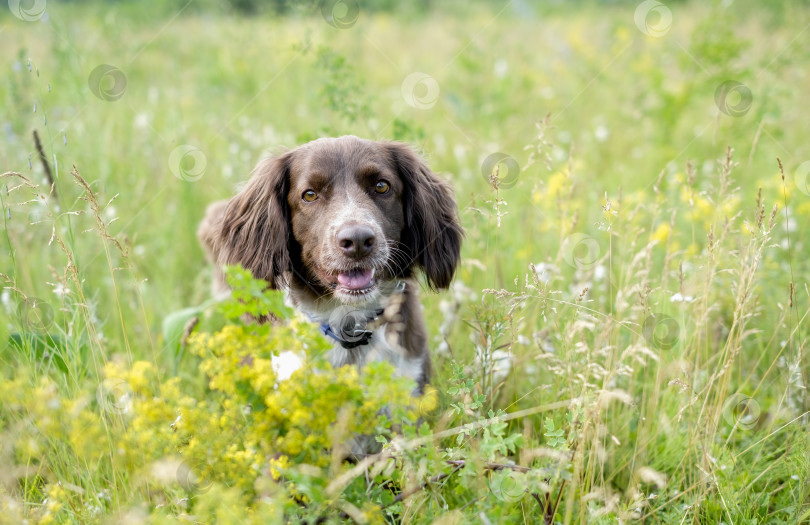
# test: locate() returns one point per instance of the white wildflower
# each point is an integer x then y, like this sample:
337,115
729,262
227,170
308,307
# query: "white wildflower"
5,300
680,298
285,363
500,361
544,271
141,121
601,133
501,67
60,290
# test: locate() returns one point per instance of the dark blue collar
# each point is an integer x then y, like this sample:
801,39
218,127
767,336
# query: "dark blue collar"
352,332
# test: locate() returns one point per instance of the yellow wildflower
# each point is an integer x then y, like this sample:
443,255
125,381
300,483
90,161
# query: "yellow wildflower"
278,465
661,234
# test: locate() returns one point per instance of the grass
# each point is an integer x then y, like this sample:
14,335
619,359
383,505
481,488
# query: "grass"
626,339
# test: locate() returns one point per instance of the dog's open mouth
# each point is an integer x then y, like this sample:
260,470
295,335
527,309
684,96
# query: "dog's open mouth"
356,282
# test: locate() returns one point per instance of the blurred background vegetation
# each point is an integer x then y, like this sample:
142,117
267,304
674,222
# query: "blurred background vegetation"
236,85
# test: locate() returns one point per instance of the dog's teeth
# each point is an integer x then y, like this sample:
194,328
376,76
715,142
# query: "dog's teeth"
373,271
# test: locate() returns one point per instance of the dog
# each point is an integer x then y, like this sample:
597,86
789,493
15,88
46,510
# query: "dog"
342,225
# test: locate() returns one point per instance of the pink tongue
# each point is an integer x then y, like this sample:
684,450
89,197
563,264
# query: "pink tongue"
355,279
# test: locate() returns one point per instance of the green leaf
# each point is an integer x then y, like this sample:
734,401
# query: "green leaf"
174,323
252,297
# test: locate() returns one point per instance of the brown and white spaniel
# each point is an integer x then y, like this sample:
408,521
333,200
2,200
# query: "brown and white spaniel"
341,224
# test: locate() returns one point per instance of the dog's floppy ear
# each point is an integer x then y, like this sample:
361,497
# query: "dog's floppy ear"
255,228
432,232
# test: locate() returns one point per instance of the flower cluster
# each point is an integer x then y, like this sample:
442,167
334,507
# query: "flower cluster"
178,444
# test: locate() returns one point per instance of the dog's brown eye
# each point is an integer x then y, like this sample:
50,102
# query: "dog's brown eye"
382,187
309,196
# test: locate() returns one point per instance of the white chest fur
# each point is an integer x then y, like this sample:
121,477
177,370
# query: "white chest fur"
380,349
382,345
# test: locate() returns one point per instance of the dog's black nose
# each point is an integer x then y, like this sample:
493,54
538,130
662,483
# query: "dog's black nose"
356,241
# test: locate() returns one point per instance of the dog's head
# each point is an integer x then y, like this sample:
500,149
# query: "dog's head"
337,217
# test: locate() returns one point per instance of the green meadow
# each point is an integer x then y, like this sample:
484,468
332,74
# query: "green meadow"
626,339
